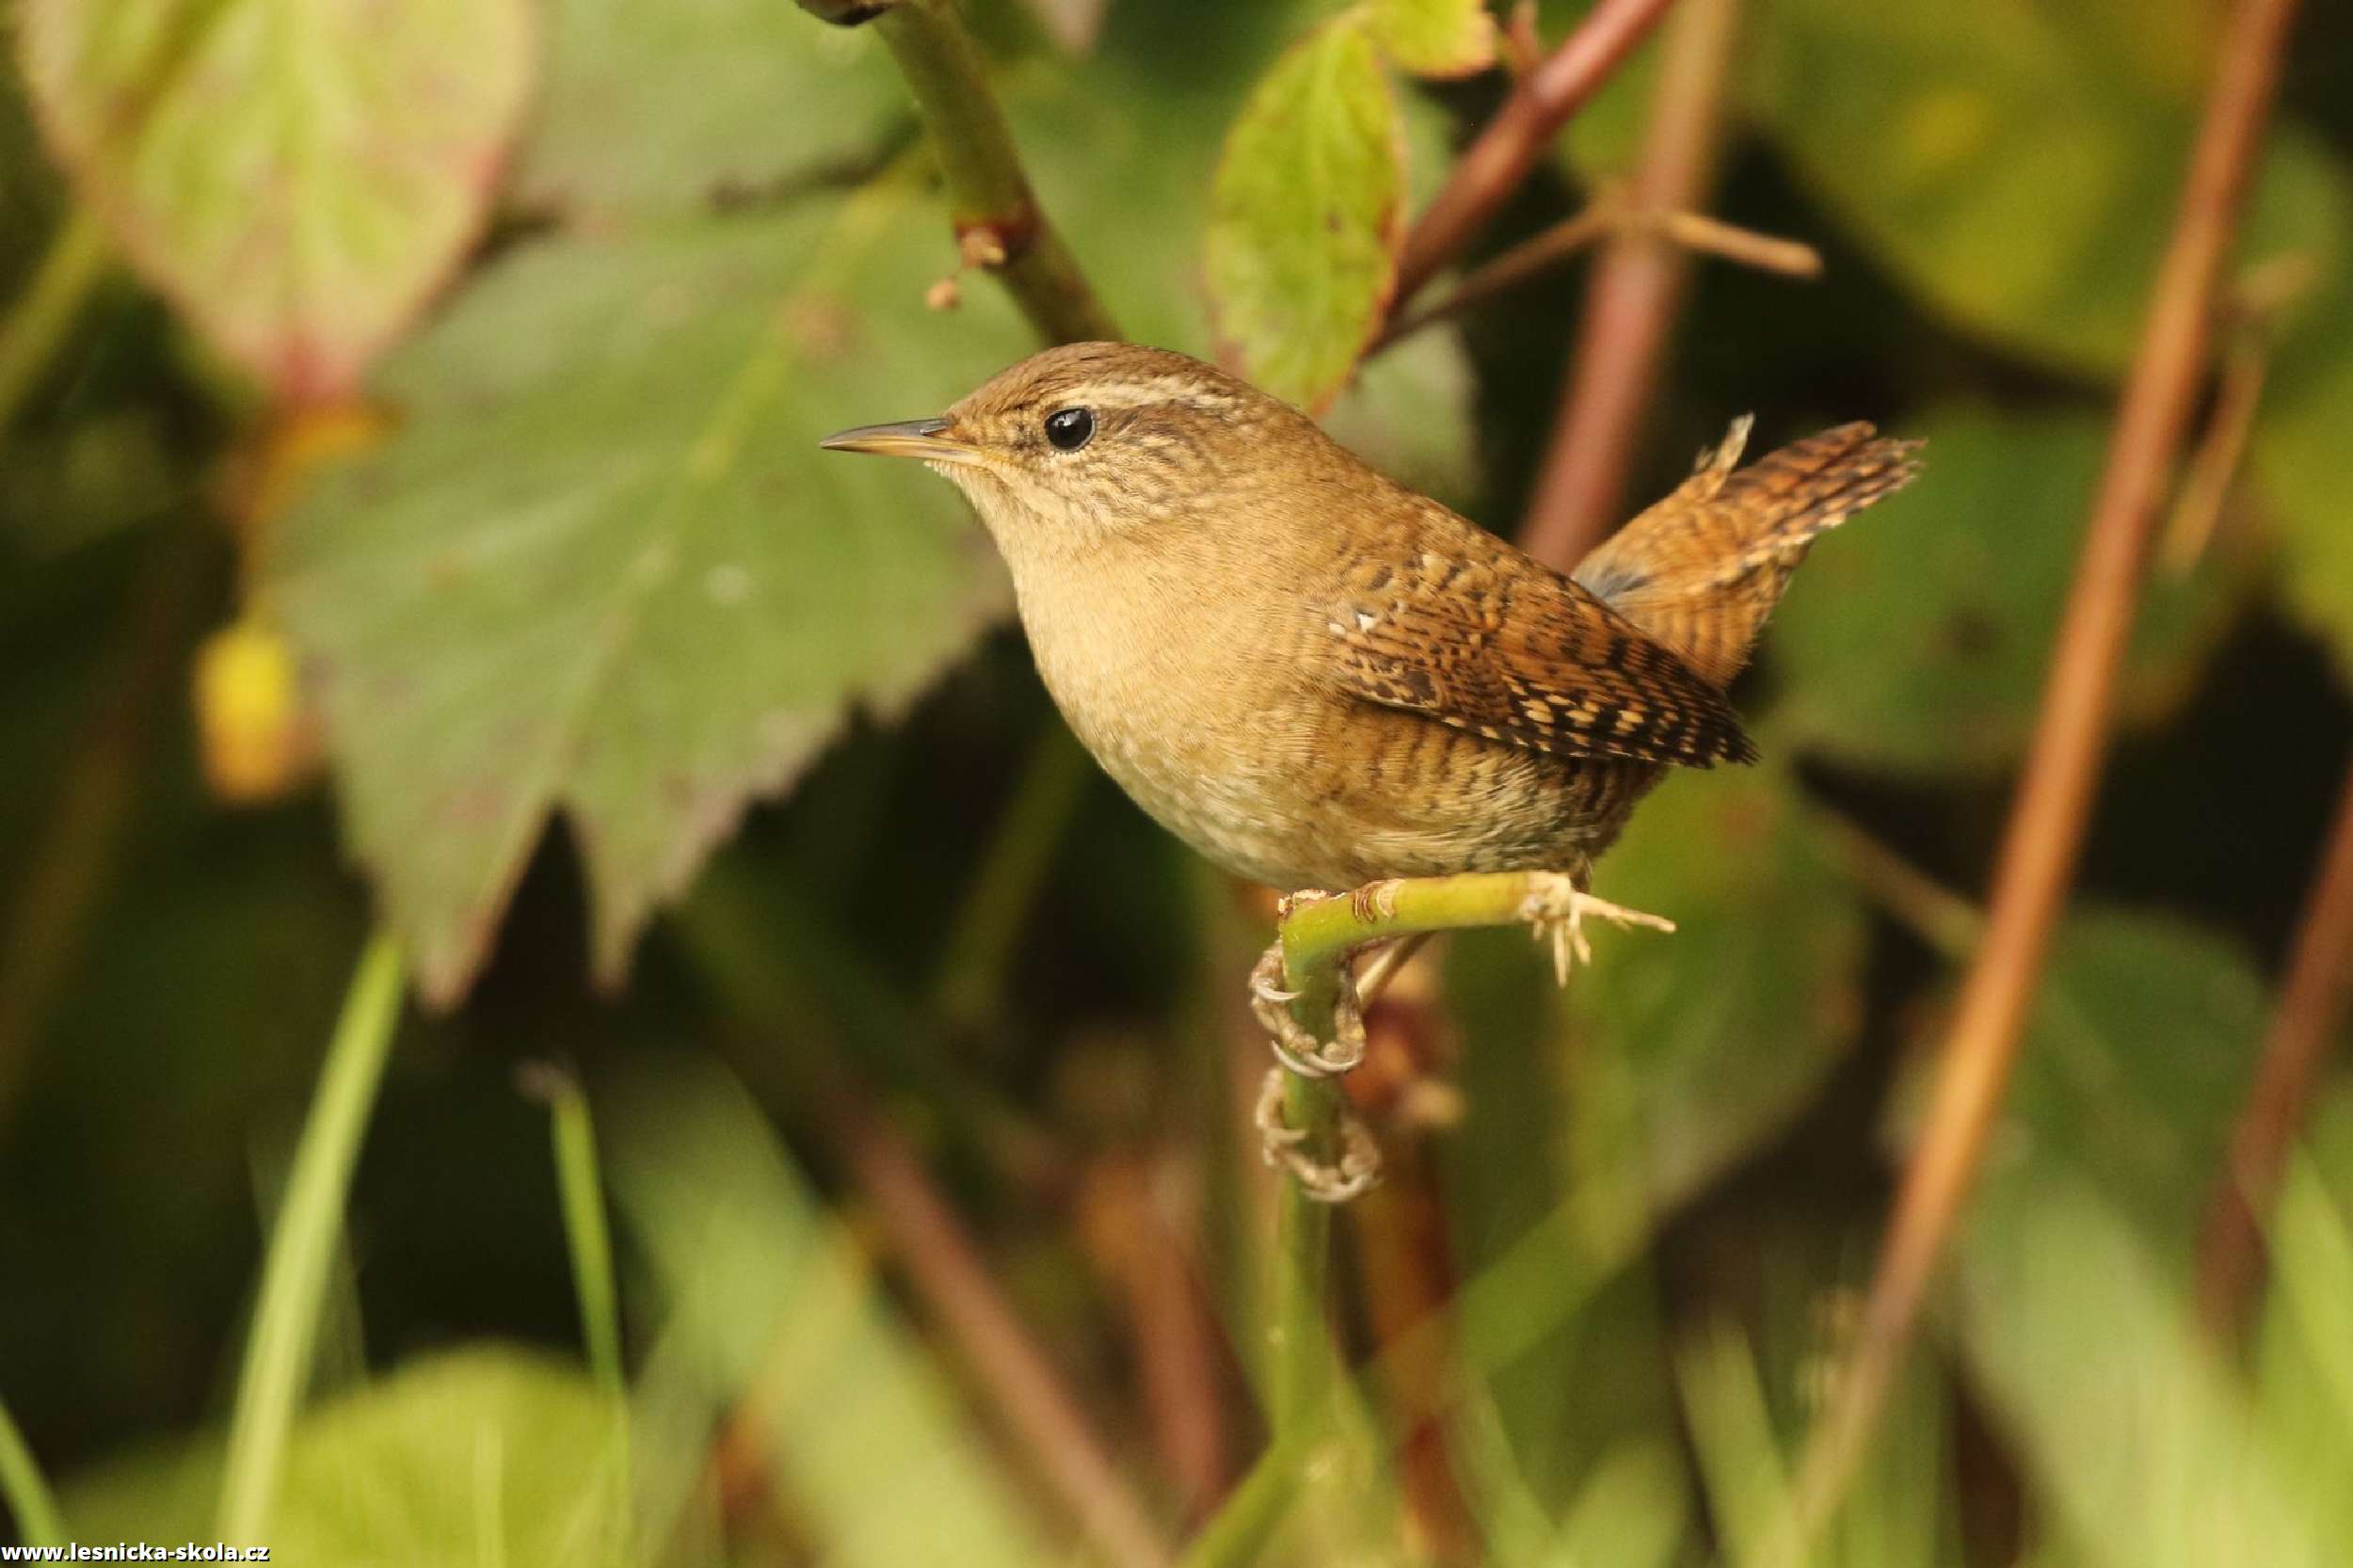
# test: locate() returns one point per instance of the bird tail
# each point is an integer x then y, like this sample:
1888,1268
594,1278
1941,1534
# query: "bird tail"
1702,569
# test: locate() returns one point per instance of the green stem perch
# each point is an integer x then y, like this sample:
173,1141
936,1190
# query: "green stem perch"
302,1245
1317,941
998,220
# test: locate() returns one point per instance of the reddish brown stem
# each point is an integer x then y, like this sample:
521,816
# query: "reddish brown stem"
2040,846
1631,299
1146,1255
1494,163
952,1279
2312,1008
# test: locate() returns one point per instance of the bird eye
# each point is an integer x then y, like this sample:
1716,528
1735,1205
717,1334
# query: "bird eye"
1070,428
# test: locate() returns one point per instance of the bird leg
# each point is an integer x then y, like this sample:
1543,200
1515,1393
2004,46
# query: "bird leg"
1294,1047
1557,908
1283,1147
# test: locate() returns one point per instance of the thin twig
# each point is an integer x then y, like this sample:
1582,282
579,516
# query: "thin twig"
998,222
723,936
1147,1255
2312,1008
1631,297
1942,918
40,318
1494,163
2044,836
954,1280
1605,215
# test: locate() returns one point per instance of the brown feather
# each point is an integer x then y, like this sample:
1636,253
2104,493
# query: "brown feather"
1528,657
1699,570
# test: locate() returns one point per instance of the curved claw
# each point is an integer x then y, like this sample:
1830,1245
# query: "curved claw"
1353,1174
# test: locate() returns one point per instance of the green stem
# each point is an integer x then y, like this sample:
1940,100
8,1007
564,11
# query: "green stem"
998,220
586,1235
42,314
302,1245
1317,941
23,1488
979,947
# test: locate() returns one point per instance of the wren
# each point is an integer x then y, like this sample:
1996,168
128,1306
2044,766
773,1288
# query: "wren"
1317,677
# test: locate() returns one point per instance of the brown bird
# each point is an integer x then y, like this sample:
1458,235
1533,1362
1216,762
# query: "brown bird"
1317,677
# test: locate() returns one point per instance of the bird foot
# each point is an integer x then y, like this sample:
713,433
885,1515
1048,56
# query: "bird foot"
1283,1146
1557,908
1294,1047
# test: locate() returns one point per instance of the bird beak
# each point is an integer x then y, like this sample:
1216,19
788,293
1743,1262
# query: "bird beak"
910,437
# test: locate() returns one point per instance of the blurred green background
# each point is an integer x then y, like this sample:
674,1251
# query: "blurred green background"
409,512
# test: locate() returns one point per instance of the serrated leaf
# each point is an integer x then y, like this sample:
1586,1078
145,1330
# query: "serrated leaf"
1690,1048
297,176
657,106
1308,214
1918,637
1436,38
605,570
2016,174
478,1455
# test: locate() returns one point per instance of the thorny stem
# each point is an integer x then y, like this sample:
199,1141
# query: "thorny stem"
998,220
2040,846
1632,295
2312,1008
1494,163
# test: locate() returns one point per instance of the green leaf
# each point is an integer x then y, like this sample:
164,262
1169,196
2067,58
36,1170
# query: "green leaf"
1307,216
1686,1049
654,106
605,570
1434,38
2140,1444
1916,638
485,1454
2016,172
2138,1057
297,176
771,1309
2305,464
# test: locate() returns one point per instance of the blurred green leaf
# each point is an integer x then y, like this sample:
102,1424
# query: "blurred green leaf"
2138,1057
2021,176
2302,457
654,106
1307,216
2304,1346
605,570
296,178
1686,1049
1918,636
485,1454
2141,1446
1434,38
770,1308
